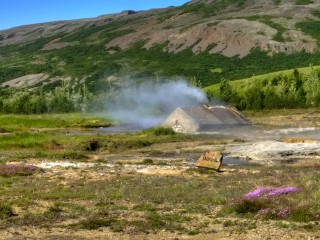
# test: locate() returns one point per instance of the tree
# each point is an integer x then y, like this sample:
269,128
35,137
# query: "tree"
226,91
312,86
254,96
195,82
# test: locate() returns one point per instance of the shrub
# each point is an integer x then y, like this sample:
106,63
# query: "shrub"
5,211
62,99
148,161
93,145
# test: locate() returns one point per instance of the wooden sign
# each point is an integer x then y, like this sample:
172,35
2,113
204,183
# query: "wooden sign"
210,159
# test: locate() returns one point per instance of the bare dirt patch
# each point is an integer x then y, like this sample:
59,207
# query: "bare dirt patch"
27,80
56,44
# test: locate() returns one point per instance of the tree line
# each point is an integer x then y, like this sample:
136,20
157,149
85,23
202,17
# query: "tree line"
62,99
296,90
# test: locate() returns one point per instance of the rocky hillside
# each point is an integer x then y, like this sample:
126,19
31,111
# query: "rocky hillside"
203,40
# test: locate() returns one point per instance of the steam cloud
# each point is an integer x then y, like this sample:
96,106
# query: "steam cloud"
149,104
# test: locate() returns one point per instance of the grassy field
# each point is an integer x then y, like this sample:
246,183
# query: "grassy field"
108,198
193,203
21,122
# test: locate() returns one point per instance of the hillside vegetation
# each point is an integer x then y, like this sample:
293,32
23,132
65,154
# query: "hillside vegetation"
296,88
201,41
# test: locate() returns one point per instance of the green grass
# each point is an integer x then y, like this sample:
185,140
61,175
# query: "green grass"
24,140
280,29
66,136
145,207
5,211
207,10
316,13
304,2
12,121
160,131
277,2
39,132
240,84
311,28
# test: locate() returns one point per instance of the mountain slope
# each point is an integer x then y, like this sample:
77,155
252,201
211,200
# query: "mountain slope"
204,39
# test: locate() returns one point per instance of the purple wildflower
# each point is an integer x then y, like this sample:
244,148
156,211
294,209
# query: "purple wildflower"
258,192
284,213
16,169
280,191
262,212
269,192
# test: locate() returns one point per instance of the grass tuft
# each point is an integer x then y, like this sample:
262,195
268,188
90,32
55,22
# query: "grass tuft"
6,211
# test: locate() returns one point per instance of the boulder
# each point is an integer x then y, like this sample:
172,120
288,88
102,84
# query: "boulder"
210,159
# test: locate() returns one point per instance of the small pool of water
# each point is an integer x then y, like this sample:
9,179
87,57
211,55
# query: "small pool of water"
234,161
120,129
225,161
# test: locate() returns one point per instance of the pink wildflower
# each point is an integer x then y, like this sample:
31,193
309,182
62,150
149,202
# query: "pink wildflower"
258,192
284,213
269,192
16,169
262,212
280,191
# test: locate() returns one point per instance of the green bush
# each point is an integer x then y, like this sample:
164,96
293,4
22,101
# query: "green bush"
160,131
250,206
63,99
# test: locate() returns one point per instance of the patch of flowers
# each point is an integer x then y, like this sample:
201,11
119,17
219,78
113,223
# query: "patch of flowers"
280,191
266,202
17,169
273,213
269,192
258,192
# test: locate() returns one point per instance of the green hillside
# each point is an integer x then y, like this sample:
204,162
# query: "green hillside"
239,85
295,88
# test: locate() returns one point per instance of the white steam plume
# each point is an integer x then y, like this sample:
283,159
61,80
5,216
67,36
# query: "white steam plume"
149,104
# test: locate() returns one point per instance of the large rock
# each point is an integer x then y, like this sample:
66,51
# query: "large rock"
210,159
